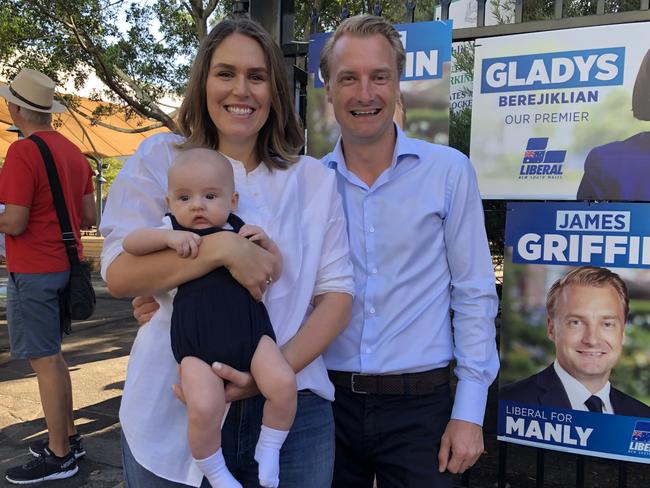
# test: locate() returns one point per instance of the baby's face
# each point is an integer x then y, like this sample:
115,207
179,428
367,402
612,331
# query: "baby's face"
201,194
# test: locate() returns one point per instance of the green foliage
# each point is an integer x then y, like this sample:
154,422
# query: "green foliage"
545,9
117,40
329,13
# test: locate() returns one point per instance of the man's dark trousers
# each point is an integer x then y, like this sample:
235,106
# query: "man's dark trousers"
395,437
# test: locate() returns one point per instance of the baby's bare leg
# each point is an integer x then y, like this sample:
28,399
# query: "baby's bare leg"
277,382
204,394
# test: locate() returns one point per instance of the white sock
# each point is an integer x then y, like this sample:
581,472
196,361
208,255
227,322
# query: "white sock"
267,455
215,470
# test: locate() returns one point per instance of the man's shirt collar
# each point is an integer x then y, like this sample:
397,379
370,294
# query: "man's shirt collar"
404,146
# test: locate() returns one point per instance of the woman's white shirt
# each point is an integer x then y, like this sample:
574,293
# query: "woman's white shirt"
299,208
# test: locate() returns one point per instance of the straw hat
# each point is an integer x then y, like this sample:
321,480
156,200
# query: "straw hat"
33,90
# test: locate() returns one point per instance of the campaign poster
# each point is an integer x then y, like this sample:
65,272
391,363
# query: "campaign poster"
563,115
461,82
424,110
575,367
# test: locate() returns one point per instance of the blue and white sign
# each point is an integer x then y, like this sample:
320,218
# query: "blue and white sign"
574,89
424,84
427,46
565,336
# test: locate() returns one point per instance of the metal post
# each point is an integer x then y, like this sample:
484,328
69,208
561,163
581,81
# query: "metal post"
645,5
559,7
480,13
240,8
622,474
345,12
600,7
503,454
580,471
313,20
540,469
519,11
444,11
409,16
99,180
267,13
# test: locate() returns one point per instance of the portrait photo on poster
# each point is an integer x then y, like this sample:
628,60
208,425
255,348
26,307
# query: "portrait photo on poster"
576,324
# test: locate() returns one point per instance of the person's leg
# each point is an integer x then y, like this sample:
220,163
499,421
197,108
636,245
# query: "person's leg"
136,476
407,430
35,334
277,382
72,430
307,455
33,309
353,464
56,399
204,396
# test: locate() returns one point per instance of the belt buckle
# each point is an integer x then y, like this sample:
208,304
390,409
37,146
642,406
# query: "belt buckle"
352,385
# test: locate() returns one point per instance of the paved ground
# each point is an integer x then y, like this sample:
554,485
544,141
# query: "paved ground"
97,353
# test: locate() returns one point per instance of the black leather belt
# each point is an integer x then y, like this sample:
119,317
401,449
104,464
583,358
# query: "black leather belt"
422,383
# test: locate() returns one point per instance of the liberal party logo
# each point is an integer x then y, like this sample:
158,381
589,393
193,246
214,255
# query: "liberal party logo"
640,441
539,161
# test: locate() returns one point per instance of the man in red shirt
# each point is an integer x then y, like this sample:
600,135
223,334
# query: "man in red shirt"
38,265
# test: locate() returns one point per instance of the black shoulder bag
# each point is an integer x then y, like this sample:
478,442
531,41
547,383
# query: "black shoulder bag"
77,300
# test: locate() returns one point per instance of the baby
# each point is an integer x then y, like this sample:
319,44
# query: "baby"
216,319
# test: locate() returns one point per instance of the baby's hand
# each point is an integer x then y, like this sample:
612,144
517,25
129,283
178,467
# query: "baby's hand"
185,243
255,234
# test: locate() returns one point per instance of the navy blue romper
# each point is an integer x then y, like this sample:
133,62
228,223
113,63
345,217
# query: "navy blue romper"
214,317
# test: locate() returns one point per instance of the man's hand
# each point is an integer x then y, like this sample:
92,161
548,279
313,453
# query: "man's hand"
144,308
460,447
241,385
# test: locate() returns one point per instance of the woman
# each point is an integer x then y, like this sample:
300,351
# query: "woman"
619,170
238,102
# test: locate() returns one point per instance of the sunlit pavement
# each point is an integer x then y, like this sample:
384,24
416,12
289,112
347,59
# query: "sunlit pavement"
97,353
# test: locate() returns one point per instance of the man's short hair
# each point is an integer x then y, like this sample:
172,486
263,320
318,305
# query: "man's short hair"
34,117
588,276
362,26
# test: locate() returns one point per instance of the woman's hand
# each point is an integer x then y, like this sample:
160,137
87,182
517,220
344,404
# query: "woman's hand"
249,264
144,308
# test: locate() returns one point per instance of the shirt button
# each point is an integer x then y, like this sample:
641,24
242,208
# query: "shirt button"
371,229
368,350
372,310
374,270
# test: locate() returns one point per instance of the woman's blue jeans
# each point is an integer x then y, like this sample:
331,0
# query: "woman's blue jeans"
306,459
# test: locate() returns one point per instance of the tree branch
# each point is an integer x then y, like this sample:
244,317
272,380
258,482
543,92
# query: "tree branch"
98,122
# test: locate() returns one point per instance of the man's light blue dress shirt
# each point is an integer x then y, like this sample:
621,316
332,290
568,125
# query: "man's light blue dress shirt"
419,250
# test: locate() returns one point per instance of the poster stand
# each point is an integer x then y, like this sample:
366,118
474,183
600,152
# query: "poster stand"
539,469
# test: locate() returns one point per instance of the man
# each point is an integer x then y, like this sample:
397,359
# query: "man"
420,254
38,264
587,310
